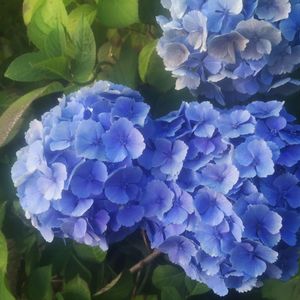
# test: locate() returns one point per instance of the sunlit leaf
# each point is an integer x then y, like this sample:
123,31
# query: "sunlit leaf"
118,13
4,291
87,10
45,18
3,253
85,50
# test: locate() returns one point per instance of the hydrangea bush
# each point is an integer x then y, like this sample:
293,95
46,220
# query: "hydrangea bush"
213,185
231,50
215,189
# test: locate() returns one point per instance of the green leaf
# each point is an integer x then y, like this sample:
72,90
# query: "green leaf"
2,212
279,290
76,267
29,8
4,292
125,70
58,66
85,50
23,68
87,10
152,70
76,289
59,296
195,288
120,288
56,43
144,59
45,18
3,253
12,117
39,284
88,253
167,275
145,297
169,293
31,258
118,13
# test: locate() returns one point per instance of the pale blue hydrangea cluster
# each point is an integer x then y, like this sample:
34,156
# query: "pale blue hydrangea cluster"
215,189
77,177
227,201
231,49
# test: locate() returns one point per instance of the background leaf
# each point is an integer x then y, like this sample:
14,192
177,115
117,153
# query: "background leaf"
195,288
167,275
56,42
46,15
3,253
120,288
85,50
118,13
170,292
88,253
151,69
125,70
39,284
88,11
11,118
278,290
24,68
4,292
76,289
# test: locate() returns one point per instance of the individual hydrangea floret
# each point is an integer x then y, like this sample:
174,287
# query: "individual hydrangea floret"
231,50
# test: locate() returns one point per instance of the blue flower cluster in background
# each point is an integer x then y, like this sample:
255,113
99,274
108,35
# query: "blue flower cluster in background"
77,177
227,201
231,50
217,190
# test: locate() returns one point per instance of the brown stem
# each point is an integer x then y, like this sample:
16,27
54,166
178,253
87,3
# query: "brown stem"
144,236
144,261
137,267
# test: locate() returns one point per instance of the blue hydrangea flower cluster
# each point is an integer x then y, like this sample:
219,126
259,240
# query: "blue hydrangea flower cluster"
231,49
77,176
227,201
217,190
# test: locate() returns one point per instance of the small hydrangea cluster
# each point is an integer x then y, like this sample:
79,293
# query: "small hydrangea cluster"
77,177
231,49
226,206
215,189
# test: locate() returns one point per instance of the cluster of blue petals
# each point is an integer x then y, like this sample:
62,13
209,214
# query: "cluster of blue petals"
226,206
231,49
77,176
217,190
